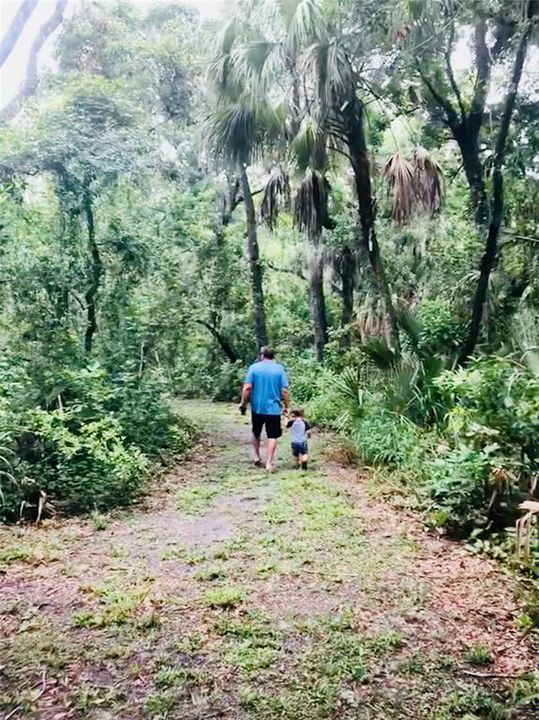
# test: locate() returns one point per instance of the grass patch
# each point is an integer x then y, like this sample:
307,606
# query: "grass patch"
472,704
223,597
210,573
384,642
98,521
479,655
118,605
37,553
195,500
158,704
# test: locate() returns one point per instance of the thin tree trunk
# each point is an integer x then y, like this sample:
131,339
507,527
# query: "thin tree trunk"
96,271
14,31
255,267
317,301
347,280
360,165
30,82
359,159
491,247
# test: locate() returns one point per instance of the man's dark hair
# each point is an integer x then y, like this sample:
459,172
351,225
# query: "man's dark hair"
267,352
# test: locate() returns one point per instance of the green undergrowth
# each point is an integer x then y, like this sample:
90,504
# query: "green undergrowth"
88,445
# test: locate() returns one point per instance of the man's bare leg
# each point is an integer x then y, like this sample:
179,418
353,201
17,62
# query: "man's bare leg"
271,447
255,444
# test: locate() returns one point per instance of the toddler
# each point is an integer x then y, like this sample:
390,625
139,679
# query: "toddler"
299,432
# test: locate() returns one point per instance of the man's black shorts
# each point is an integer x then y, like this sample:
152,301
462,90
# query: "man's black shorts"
272,424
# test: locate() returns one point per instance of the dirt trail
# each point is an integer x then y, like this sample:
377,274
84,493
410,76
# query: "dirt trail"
233,594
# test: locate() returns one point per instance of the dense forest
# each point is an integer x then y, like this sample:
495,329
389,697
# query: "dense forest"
353,182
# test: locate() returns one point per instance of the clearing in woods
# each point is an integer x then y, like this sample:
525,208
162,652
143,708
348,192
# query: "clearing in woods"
235,594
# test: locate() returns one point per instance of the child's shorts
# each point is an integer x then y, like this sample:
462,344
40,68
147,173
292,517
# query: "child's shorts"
299,449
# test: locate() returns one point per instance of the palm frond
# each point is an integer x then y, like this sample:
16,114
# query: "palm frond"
379,353
241,129
428,179
398,173
309,146
255,63
221,65
311,203
330,73
276,197
412,327
303,21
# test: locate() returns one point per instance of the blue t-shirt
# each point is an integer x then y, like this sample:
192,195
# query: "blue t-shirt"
268,379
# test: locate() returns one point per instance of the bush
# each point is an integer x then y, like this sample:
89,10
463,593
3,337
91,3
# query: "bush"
459,489
228,381
81,466
472,468
144,409
92,444
385,437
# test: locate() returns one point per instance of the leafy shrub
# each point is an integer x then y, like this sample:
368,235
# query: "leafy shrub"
440,332
458,488
307,376
90,447
468,469
228,381
385,437
494,400
81,466
143,407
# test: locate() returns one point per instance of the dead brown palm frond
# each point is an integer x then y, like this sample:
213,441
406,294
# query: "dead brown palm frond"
276,197
525,528
311,203
402,34
427,180
398,173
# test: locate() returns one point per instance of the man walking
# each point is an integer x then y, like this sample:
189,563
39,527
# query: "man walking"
266,387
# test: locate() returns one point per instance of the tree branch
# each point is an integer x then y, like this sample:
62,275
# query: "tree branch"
226,347
30,82
451,114
451,75
14,31
296,273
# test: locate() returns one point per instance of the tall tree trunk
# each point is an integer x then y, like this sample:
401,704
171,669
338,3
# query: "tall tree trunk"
255,267
491,247
347,280
317,302
30,82
14,31
360,166
96,271
355,137
473,168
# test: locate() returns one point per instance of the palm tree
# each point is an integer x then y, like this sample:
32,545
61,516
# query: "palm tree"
311,216
239,128
311,49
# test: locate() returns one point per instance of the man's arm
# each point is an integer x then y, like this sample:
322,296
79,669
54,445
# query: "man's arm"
245,395
284,390
246,391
